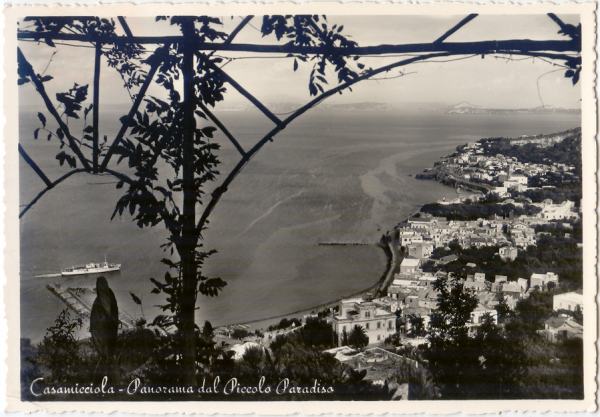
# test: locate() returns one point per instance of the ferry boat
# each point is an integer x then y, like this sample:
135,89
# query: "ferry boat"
91,268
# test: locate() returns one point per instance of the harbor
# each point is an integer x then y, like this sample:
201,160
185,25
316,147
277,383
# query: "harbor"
78,301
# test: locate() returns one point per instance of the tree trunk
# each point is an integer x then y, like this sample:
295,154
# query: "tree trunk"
189,235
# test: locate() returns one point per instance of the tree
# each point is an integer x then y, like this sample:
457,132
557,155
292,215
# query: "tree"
358,338
240,333
207,330
578,315
503,310
452,355
502,367
344,341
318,333
59,350
417,326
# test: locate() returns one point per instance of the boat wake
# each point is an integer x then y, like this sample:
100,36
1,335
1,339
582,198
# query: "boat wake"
47,275
269,211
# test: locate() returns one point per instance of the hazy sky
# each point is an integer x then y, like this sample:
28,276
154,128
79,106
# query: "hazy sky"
488,82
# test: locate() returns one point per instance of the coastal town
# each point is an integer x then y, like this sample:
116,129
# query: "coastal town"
510,244
508,205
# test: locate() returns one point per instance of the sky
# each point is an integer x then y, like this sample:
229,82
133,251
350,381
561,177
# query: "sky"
489,82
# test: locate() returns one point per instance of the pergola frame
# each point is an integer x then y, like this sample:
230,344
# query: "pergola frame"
549,49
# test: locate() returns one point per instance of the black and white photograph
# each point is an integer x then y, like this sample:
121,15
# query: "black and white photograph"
303,207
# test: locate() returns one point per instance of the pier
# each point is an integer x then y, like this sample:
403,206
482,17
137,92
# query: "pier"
73,299
334,243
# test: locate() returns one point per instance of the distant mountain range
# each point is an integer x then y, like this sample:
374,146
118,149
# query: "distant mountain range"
468,108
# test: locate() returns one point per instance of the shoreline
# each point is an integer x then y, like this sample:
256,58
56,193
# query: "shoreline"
384,244
387,243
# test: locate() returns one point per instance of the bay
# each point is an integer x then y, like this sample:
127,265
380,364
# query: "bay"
331,176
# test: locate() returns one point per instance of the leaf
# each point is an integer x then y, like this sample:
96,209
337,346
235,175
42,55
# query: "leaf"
88,129
87,110
135,298
46,78
208,131
295,64
42,118
61,157
71,161
36,132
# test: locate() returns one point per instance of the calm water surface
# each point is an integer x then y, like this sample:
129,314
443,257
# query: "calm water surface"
328,177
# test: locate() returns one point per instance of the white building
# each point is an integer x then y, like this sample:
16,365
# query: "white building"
523,284
409,265
567,301
564,210
508,253
377,322
480,311
420,250
500,278
542,280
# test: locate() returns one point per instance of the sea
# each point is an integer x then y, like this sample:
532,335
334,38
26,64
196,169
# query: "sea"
331,176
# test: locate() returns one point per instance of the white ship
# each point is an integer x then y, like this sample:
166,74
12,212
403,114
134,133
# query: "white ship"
91,268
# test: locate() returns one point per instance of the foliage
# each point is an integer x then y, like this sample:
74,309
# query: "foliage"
419,379
503,310
417,326
306,30
240,333
509,360
154,134
551,370
479,210
344,338
358,338
563,192
453,358
302,365
567,151
59,351
284,323
317,332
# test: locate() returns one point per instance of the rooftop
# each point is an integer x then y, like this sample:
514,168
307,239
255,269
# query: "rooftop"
410,262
